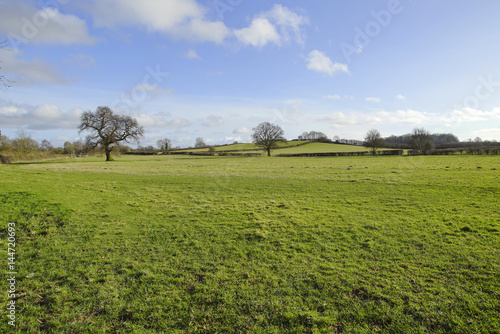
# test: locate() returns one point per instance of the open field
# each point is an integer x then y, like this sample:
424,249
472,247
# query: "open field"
244,147
291,147
183,244
321,148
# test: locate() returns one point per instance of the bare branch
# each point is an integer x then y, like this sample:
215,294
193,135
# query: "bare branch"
108,129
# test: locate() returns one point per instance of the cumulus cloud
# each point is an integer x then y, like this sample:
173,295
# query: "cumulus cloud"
242,131
473,115
178,18
23,23
400,97
12,111
288,22
408,117
319,62
47,112
277,26
259,33
40,117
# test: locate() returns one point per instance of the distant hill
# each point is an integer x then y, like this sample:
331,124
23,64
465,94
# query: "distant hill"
291,147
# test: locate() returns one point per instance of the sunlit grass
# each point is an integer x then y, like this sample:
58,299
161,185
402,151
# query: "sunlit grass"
181,244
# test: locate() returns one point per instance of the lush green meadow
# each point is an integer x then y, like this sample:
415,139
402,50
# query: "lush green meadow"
182,244
289,147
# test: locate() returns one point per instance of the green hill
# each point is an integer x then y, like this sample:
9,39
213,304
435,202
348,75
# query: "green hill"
291,147
321,148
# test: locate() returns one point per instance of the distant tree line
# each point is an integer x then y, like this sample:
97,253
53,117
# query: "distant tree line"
108,132
405,141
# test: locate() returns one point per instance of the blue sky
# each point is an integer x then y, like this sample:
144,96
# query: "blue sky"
217,68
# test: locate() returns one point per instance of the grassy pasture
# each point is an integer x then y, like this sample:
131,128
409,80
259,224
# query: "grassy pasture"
182,244
321,148
243,147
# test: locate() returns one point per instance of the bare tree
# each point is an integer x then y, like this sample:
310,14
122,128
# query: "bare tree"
373,140
267,136
421,141
164,144
79,146
45,145
5,143
4,82
108,129
200,142
24,144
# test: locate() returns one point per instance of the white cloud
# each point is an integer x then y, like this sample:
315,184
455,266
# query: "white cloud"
24,23
40,117
213,121
401,117
487,134
143,89
339,118
400,97
404,117
178,123
178,18
12,111
201,30
278,25
28,72
319,62
185,139
332,97
288,22
191,54
473,115
373,99
47,112
242,131
260,33
232,139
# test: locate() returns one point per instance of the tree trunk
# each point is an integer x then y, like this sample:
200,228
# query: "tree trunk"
108,154
268,152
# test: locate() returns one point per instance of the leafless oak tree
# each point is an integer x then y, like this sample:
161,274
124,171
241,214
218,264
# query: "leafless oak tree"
267,136
108,129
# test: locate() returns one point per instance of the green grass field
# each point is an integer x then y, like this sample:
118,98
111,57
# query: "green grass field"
290,147
321,148
184,244
244,147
